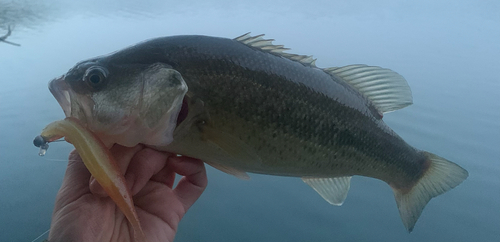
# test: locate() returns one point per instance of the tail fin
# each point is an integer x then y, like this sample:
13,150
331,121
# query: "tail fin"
441,176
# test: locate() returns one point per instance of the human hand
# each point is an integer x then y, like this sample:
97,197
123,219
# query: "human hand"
84,212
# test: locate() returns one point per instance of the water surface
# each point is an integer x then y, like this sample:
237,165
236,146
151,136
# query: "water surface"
447,51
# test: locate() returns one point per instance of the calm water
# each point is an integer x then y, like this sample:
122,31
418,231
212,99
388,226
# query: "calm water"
449,53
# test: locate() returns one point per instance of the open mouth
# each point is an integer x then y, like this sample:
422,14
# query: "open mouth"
60,90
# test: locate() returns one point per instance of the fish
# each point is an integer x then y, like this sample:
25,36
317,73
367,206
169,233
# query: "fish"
246,105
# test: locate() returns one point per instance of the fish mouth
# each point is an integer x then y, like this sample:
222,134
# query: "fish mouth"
60,90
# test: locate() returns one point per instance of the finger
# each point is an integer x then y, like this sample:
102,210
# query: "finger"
194,182
123,156
165,176
144,165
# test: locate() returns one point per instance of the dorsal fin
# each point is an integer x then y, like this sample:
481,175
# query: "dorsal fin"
386,89
266,45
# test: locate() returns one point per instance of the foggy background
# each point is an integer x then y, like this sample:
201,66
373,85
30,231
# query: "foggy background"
448,51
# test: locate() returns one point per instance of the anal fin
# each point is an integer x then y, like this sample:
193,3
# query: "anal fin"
333,190
234,147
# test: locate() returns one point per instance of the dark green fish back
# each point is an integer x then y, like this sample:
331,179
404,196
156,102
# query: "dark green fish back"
283,97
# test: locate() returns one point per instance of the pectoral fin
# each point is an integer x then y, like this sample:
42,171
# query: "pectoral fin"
237,152
333,190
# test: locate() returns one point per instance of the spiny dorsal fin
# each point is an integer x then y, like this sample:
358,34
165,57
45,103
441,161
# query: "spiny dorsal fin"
266,45
386,89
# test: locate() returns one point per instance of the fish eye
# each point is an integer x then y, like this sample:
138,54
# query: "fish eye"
95,77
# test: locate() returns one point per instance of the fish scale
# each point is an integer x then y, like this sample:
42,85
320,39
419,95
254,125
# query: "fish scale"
265,90
252,107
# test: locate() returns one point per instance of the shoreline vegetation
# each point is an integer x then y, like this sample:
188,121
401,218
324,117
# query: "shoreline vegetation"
4,38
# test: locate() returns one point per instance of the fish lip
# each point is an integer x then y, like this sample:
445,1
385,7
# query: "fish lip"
60,90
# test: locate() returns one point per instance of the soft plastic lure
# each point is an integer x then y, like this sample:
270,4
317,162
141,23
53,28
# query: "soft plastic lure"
98,161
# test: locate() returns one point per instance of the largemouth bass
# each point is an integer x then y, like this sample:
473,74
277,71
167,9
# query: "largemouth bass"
244,105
